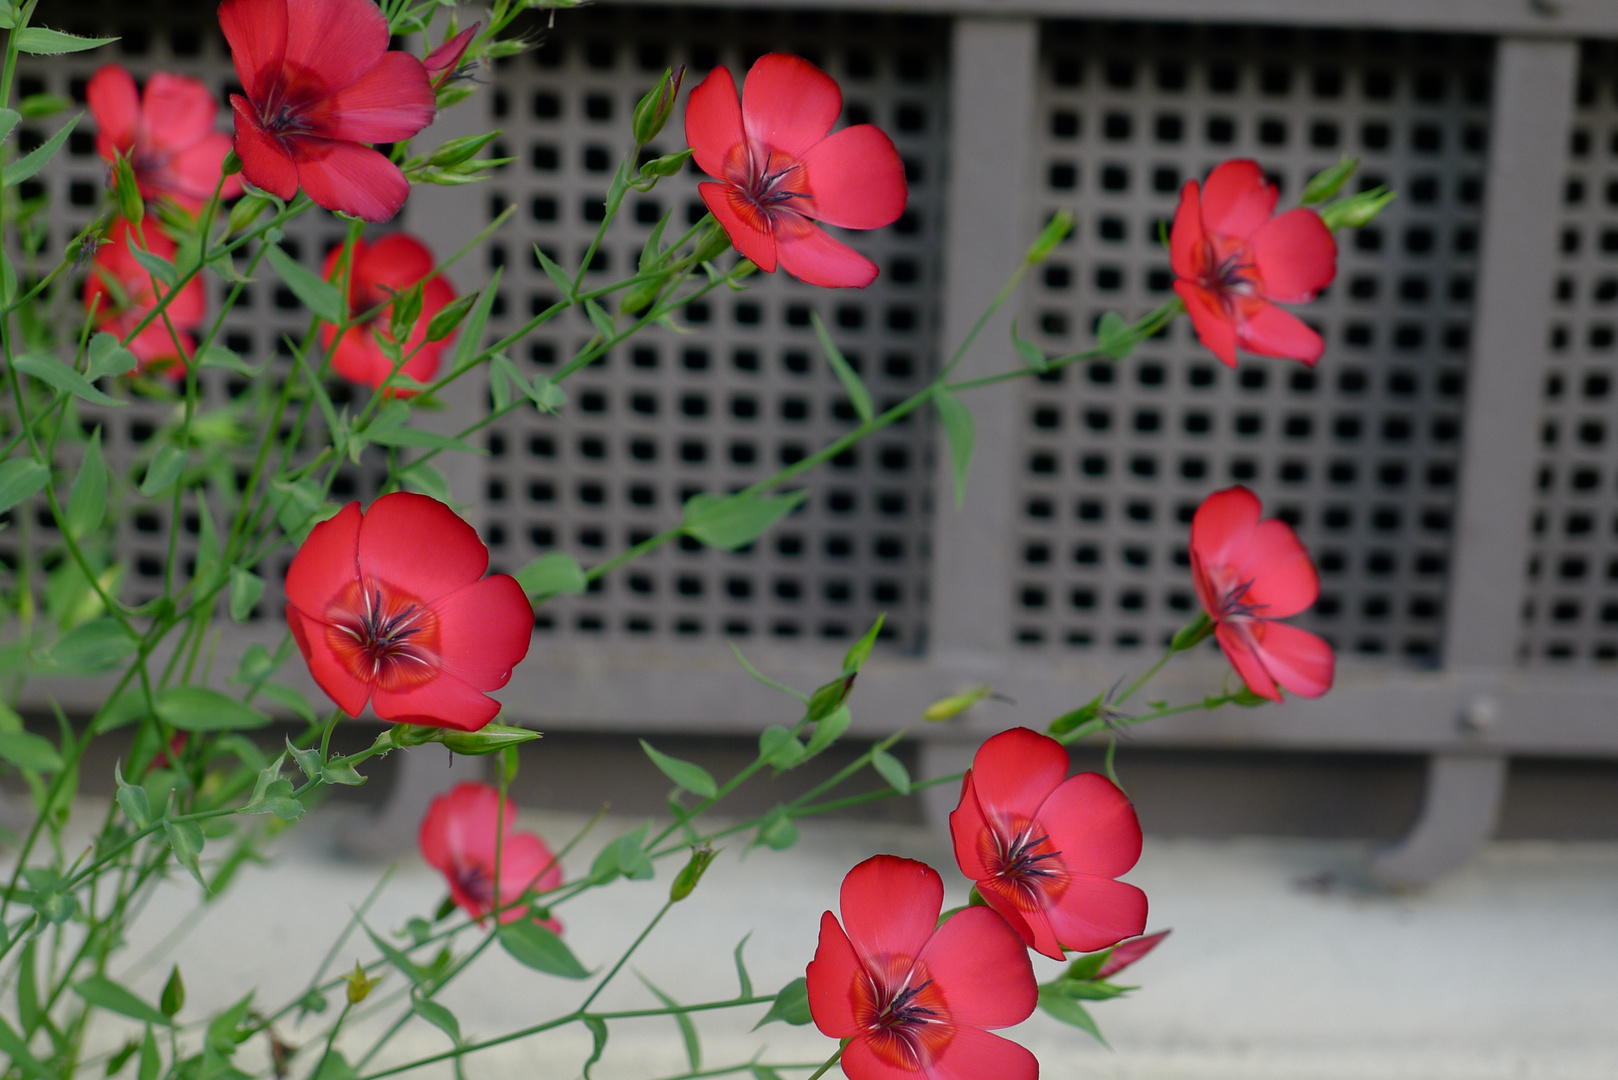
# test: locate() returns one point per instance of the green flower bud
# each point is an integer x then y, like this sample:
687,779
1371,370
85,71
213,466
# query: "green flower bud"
655,108
127,191
1328,182
686,880
953,706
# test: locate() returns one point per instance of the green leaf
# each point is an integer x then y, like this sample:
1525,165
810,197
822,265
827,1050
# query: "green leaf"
277,798
186,839
488,739
622,855
39,41
109,357
1068,1011
764,1072
791,1005
598,1033
558,276
132,800
245,589
87,505
532,945
470,342
960,432
29,751
438,1016
733,521
1031,354
555,574
103,993
50,370
150,1062
779,748
693,778
95,646
164,470
402,963
173,997
9,117
1054,232
318,295
892,770
334,1066
746,990
427,480
829,729
21,478
1356,211
778,831
42,106
1114,336
289,699
688,1030
196,708
449,317
14,1047
846,375
860,651
25,167
600,319
159,267
217,356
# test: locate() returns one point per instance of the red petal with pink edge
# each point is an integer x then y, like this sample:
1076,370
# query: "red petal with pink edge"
974,1054
115,104
444,701
742,222
861,1062
836,979
1014,771
331,674
967,827
1284,581
890,906
265,162
177,111
357,358
1128,952
982,968
1236,642
1301,662
713,123
419,545
1093,825
1188,249
788,104
193,172
442,61
391,102
348,177
326,564
1222,528
337,41
484,631
1269,331
1215,329
1094,912
1296,256
855,179
808,253
397,261
1236,199
257,33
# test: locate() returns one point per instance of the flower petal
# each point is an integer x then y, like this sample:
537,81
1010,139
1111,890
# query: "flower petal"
1296,256
419,545
855,179
484,631
326,564
391,102
1284,581
265,161
433,837
472,814
1236,642
741,221
338,41
982,969
257,33
443,701
348,177
1236,199
177,111
1222,528
193,172
331,674
967,825
974,1054
713,123
154,346
525,861
1269,331
115,104
835,979
1128,952
808,253
1300,661
788,104
397,261
1215,329
1095,912
861,1062
357,357
1013,773
890,906
1188,249
442,61
1093,825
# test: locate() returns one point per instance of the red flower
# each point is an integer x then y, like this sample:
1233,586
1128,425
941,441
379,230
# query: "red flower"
442,62
392,606
122,292
1044,849
391,265
782,172
458,838
1126,953
916,1001
1233,260
1248,573
320,82
167,133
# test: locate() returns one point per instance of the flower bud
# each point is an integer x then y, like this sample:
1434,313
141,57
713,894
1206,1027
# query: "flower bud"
714,243
1193,633
667,165
359,984
128,192
641,297
951,707
1054,232
173,999
245,212
686,880
1082,715
1328,182
654,109
1356,211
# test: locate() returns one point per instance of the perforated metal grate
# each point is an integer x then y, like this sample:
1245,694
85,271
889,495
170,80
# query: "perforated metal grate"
747,390
1360,453
1571,611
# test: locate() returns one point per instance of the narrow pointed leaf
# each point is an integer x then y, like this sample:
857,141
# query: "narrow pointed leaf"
29,164
555,574
438,1016
535,946
691,777
19,479
470,341
29,751
317,294
846,374
790,1005
87,505
960,432
734,521
50,370
40,41
196,708
558,276
109,357
892,770
164,470
245,589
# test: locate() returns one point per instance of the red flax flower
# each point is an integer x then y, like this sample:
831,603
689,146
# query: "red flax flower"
1044,849
392,265
912,1000
167,133
122,291
392,606
1233,261
319,83
781,171
1249,573
458,838
443,62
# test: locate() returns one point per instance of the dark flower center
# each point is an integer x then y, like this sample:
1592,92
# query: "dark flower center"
1233,603
1228,268
385,636
1027,863
907,1022
477,882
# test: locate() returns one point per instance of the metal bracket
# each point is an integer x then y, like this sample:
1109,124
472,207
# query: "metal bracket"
1457,817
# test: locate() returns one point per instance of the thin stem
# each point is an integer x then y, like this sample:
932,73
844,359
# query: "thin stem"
624,959
824,1069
